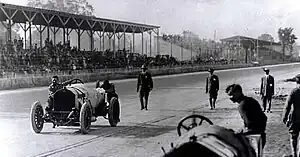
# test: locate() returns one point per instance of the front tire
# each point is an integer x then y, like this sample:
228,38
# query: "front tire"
36,116
114,112
85,118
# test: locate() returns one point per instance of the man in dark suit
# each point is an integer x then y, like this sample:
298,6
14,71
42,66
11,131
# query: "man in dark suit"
267,89
212,87
291,115
144,86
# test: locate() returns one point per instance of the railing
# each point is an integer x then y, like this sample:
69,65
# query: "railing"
110,70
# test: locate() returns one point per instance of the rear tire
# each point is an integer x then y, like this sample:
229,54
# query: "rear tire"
36,117
114,112
85,118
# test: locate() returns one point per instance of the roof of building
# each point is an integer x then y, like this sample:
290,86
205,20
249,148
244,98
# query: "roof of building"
248,41
44,17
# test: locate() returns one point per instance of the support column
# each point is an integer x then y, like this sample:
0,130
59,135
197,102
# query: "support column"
79,33
41,30
103,40
100,35
54,31
30,36
142,42
64,35
25,37
91,34
119,38
158,46
25,29
114,45
150,32
146,48
124,41
133,43
48,32
9,30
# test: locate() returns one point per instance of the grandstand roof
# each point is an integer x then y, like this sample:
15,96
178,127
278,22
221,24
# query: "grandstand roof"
22,14
248,41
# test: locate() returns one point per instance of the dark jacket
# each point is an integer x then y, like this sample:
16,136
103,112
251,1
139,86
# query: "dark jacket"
109,88
145,82
267,86
254,118
291,109
212,83
54,87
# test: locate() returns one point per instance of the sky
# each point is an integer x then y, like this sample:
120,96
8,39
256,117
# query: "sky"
227,17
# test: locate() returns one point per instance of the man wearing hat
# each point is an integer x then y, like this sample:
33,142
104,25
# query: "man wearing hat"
291,115
212,87
267,89
144,86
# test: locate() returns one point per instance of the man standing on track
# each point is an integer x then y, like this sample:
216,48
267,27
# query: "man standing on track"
267,89
144,87
212,87
291,116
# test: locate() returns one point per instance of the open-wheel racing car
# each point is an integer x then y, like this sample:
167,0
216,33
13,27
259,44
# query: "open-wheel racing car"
212,141
75,104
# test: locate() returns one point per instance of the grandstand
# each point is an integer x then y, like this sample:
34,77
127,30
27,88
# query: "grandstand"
53,55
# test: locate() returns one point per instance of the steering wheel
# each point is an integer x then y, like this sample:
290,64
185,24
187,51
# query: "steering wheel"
73,81
193,124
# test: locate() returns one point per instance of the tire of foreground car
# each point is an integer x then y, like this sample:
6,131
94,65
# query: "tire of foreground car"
85,118
36,117
114,112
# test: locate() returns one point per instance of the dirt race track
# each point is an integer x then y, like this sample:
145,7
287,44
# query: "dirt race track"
141,133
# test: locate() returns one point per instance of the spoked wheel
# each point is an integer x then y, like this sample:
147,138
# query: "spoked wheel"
114,112
85,118
36,117
194,118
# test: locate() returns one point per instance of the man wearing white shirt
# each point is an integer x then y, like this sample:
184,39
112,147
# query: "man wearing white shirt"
267,89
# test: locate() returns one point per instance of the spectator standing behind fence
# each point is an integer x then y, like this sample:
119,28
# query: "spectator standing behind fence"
212,87
144,87
267,89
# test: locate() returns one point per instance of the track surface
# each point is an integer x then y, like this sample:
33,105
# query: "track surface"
140,133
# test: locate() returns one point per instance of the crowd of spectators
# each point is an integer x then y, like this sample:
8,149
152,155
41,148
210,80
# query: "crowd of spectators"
62,57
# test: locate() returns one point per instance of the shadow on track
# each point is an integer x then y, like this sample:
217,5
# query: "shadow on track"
137,131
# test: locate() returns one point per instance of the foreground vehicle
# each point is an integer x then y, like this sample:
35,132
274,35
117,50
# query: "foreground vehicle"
212,141
74,105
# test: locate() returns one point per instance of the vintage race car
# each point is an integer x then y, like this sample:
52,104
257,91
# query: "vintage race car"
212,140
75,104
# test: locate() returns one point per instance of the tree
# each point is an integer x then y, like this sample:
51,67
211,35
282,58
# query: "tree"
287,39
81,7
266,37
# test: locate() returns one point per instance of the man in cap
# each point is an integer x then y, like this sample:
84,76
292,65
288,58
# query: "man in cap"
144,86
54,86
212,87
255,120
291,115
109,89
267,89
